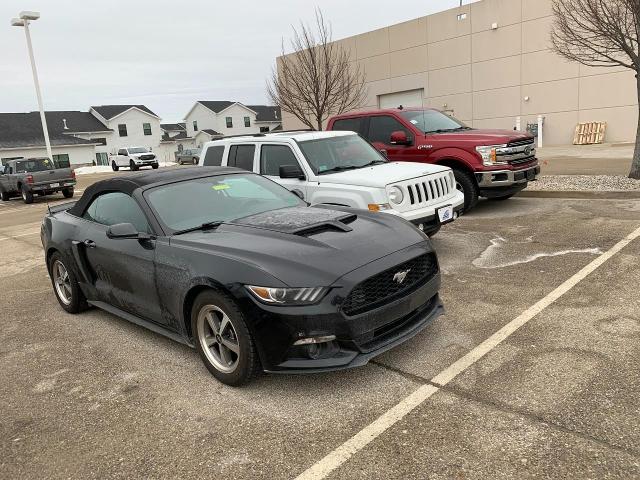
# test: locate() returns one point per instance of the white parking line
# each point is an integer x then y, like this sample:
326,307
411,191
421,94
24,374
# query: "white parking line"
340,455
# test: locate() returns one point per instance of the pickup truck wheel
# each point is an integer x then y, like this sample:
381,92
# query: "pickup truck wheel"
114,166
27,195
222,338
154,166
195,161
5,196
65,285
67,192
466,183
132,166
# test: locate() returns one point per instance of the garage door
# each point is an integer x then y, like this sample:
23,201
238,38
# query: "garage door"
410,98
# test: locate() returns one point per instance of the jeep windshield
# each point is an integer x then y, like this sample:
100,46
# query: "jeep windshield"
335,154
217,199
433,121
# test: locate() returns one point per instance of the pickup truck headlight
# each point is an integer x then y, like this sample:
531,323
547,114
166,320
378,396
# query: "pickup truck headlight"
395,195
288,296
489,154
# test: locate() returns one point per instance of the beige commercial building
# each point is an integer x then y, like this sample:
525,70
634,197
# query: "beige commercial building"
489,63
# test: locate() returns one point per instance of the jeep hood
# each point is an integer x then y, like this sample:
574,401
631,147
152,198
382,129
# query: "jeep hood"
379,176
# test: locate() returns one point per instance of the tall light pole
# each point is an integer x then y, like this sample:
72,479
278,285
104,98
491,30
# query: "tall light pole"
23,21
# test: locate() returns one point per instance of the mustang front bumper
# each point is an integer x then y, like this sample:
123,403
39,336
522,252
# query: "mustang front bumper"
358,338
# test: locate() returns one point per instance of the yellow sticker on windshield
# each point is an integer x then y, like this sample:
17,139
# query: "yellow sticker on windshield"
222,186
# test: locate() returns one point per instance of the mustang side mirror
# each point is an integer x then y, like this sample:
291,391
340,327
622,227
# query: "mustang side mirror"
400,138
126,230
291,171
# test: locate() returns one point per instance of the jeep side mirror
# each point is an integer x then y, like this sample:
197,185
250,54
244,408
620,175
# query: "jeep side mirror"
291,171
400,138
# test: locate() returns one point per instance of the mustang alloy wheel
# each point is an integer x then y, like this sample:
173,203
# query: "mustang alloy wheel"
62,282
218,338
222,338
66,286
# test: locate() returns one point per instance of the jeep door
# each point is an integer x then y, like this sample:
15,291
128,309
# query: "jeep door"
274,156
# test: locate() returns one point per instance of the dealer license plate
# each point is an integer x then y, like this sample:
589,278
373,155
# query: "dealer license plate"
445,214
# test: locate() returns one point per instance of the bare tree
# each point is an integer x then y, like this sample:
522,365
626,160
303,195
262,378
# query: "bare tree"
317,80
600,33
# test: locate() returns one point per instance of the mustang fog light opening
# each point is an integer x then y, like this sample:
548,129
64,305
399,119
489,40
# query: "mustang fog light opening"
288,296
315,340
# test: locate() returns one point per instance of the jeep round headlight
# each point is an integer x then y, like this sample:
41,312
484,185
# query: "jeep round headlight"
395,195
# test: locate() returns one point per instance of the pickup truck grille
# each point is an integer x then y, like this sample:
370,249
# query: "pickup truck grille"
517,152
147,157
430,190
384,287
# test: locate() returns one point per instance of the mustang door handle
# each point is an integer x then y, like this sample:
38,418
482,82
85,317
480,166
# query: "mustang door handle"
89,244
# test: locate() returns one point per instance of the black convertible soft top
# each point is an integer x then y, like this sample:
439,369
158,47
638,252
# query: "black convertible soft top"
152,178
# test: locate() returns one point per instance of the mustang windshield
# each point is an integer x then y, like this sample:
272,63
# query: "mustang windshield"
334,154
433,121
193,203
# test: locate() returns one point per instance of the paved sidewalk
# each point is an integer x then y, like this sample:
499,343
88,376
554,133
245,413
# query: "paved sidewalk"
606,159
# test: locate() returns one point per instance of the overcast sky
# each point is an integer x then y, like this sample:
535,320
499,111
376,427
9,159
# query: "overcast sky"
166,54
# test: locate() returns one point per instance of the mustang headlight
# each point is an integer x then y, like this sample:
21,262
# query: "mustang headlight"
489,154
395,195
288,296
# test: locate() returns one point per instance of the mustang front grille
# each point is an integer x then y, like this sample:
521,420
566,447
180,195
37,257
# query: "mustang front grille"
390,285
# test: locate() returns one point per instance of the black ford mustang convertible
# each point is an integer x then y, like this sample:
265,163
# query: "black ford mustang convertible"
242,269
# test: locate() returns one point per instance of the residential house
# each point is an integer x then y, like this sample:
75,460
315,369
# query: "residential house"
210,119
21,136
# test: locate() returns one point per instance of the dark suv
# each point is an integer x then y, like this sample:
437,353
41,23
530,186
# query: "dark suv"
495,164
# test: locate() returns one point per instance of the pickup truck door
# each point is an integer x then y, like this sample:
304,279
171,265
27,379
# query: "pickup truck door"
122,271
379,134
122,158
272,157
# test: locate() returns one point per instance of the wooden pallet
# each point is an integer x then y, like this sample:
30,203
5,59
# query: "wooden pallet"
589,133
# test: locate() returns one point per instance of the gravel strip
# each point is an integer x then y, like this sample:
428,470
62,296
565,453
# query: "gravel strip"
600,183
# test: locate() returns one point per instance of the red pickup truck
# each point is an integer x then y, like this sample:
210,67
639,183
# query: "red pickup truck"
494,164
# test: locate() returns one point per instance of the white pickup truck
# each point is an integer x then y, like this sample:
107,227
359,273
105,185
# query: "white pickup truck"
134,158
341,168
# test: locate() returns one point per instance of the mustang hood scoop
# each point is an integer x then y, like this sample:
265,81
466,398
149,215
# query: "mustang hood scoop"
300,220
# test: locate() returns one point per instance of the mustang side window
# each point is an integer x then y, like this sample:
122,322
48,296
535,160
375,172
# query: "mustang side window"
117,207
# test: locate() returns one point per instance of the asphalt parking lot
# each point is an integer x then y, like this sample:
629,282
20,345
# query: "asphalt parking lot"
92,396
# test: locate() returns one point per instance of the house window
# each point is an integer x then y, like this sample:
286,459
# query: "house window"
146,127
264,129
195,125
102,158
122,129
229,121
61,160
247,121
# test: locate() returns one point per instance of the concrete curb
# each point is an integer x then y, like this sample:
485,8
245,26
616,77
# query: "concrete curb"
586,194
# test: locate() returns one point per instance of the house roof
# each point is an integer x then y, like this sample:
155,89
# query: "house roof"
173,127
168,138
25,129
216,105
266,113
210,131
110,111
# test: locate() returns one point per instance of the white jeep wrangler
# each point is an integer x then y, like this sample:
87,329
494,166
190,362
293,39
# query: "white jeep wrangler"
341,168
